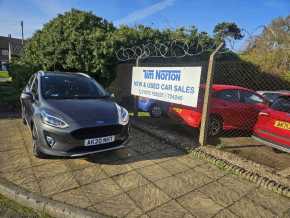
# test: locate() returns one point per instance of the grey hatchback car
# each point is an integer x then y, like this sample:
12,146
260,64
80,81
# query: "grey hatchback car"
70,114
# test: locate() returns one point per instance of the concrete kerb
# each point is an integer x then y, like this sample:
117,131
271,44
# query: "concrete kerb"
203,154
43,204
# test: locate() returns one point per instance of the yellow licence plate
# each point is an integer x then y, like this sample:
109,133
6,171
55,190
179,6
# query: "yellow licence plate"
282,125
178,110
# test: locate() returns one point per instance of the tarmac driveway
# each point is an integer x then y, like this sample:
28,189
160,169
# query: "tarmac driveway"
148,179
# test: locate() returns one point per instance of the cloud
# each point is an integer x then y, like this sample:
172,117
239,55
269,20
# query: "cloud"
143,13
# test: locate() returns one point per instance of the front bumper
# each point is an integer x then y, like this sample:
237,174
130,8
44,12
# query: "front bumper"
85,151
70,142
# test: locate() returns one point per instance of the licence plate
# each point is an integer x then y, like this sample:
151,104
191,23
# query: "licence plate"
282,125
178,110
98,141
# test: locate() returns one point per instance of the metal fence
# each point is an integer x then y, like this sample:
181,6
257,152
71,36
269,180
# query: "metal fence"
232,112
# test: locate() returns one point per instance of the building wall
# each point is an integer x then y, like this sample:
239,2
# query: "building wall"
16,47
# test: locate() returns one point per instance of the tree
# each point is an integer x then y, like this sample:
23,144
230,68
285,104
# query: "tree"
74,41
227,29
270,50
79,41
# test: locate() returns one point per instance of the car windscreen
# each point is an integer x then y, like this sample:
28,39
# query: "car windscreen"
282,104
69,87
271,96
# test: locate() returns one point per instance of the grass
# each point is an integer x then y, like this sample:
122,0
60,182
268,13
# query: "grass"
10,208
220,146
4,74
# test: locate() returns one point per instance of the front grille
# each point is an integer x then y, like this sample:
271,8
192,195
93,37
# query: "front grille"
98,131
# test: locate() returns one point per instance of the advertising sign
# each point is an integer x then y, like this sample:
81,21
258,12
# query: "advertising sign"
178,85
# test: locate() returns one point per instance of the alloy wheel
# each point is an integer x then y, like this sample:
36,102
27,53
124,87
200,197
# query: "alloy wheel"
215,126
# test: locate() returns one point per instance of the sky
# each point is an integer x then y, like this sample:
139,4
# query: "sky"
204,14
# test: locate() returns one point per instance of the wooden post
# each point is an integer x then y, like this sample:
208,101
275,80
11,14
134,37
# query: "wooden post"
207,98
136,97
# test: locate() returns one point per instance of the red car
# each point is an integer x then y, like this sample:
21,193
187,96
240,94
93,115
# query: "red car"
233,107
273,124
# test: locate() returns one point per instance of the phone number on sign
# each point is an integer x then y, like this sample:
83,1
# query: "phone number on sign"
161,95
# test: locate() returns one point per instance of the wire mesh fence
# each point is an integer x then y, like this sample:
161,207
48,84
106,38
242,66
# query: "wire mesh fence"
240,92
242,95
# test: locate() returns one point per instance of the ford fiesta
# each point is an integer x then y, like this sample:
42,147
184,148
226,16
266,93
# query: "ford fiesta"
70,114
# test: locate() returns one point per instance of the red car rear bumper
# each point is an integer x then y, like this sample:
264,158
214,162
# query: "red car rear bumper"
188,117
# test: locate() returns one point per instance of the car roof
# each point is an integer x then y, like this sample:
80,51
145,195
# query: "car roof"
276,91
219,87
54,73
285,94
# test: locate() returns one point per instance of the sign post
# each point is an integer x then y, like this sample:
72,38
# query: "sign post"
135,109
207,98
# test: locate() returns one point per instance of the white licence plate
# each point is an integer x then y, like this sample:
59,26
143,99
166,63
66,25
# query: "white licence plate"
98,141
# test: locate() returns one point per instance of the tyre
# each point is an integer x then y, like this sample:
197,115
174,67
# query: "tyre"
215,126
277,151
35,149
155,111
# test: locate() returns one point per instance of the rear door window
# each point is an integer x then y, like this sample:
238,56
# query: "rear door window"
29,84
34,88
228,95
251,98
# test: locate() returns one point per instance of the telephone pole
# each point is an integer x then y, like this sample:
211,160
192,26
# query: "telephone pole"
9,48
22,34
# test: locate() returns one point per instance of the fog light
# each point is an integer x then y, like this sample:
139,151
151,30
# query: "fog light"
50,140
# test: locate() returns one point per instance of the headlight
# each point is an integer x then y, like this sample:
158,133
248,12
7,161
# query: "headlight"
52,120
123,115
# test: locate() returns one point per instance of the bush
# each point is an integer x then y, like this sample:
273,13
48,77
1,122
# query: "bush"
9,96
21,73
76,41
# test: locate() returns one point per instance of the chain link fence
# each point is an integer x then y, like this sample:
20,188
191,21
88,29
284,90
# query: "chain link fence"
235,104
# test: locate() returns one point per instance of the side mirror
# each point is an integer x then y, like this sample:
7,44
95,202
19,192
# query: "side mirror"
26,96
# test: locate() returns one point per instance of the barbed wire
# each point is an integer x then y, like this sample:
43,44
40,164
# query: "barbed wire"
180,48
175,48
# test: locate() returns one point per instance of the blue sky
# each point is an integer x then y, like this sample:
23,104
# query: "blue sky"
204,14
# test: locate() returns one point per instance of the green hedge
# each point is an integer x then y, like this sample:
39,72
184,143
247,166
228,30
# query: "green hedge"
9,95
21,73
